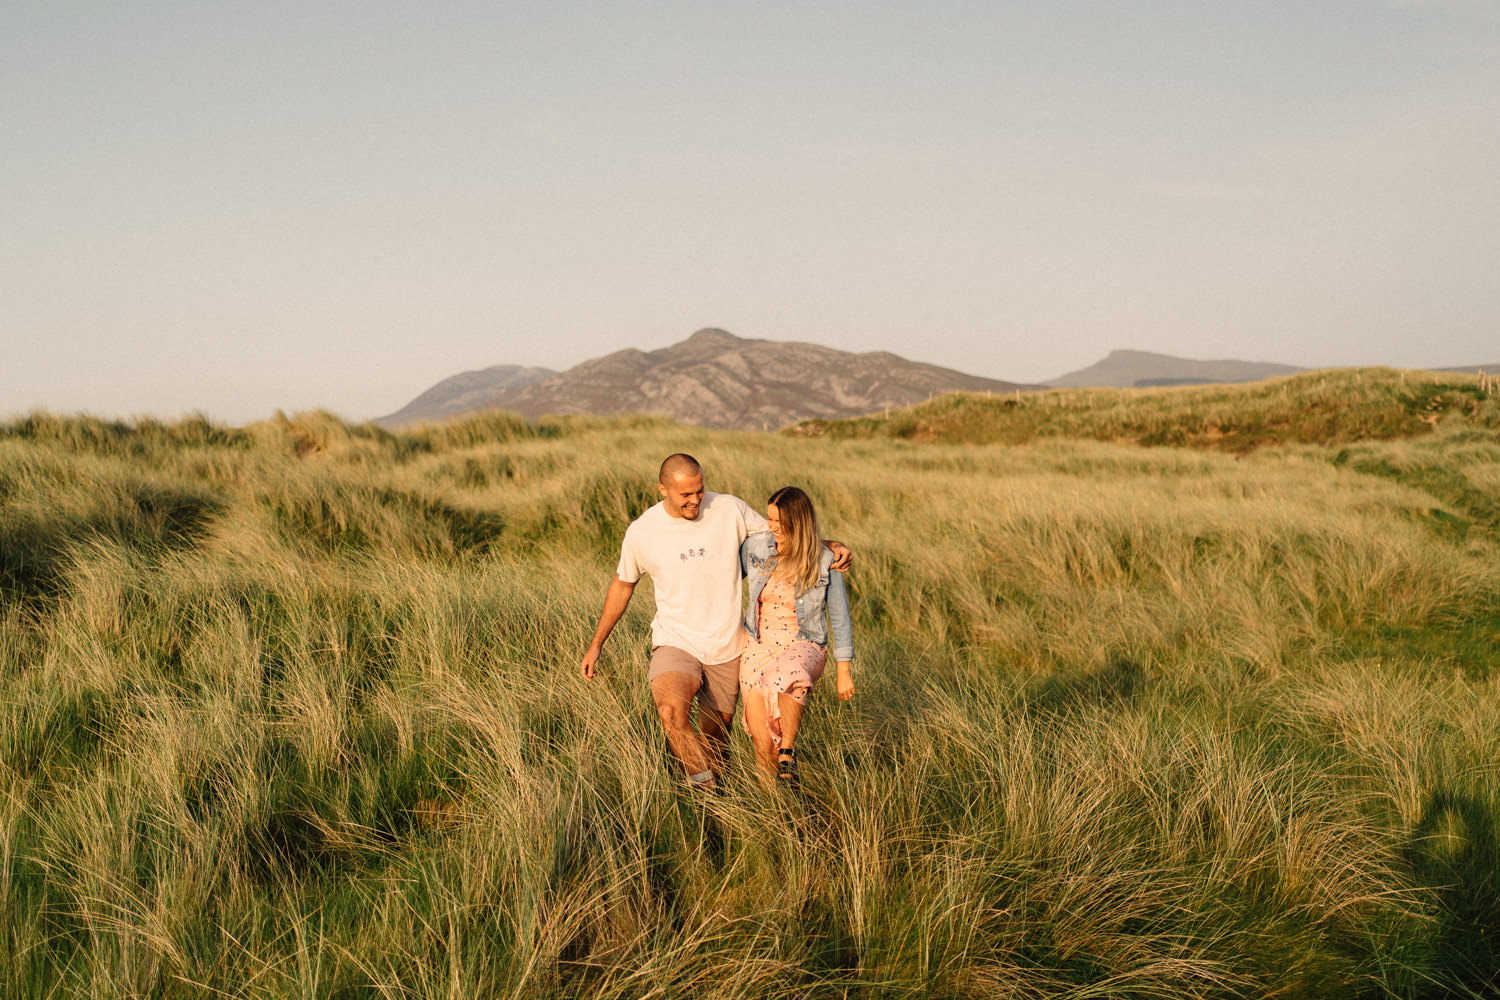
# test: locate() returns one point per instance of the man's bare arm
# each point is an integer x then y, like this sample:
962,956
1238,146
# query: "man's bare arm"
616,600
843,557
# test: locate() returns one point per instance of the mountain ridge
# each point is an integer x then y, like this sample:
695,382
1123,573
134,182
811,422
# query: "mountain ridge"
1124,368
463,392
716,379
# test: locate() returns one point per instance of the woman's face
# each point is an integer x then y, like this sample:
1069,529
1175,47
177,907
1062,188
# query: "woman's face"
773,517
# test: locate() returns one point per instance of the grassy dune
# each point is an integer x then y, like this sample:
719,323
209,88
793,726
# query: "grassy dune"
293,710
1322,408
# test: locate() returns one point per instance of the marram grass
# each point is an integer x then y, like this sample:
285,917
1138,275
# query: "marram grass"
294,711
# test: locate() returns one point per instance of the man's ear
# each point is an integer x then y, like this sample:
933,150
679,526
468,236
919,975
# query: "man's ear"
662,490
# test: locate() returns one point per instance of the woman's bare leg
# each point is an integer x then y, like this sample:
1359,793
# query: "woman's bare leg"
760,732
787,772
791,718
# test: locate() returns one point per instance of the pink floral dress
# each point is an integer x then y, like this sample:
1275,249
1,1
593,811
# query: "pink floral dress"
778,661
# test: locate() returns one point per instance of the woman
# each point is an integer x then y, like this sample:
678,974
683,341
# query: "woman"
792,588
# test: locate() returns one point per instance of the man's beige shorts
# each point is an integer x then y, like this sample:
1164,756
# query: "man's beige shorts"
720,682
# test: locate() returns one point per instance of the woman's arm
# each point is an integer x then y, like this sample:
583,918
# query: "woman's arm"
838,618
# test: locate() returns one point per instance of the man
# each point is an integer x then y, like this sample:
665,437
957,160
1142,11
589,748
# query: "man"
690,545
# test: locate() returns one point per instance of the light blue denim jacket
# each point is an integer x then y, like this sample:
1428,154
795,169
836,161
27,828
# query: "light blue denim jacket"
828,593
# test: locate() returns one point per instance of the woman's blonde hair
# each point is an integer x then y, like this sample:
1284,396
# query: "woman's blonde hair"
797,558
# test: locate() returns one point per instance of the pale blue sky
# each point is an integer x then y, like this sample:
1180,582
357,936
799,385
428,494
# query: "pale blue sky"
238,207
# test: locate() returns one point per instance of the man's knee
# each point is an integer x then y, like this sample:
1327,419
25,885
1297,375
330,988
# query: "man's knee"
674,715
714,722
673,694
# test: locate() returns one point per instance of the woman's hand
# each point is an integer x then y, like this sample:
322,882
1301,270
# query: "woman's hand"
846,682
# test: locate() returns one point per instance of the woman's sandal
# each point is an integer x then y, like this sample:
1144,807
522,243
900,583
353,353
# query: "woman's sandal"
786,766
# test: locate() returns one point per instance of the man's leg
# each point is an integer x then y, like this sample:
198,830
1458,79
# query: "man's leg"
716,701
676,677
674,691
715,725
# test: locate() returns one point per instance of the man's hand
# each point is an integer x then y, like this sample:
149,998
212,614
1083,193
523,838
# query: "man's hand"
846,682
590,658
616,598
842,557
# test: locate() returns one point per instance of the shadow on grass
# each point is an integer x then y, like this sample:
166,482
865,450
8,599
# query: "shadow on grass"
1454,851
1118,681
1465,643
38,551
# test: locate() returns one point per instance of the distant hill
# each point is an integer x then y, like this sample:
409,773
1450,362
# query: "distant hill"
464,392
715,379
1142,369
1493,369
1332,406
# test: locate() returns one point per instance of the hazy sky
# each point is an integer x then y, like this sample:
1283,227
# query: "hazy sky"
236,207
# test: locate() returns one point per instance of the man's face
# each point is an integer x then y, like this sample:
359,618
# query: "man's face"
683,496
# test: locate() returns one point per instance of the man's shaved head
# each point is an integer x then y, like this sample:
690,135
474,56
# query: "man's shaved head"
676,466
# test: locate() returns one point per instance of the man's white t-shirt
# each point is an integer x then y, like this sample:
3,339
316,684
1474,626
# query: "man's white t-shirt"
695,568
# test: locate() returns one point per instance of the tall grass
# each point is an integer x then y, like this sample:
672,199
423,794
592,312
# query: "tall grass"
293,711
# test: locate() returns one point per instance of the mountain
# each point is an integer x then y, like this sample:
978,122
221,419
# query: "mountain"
464,392
1124,369
1493,369
715,379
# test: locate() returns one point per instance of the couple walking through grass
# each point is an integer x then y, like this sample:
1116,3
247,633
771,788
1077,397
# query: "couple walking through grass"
698,546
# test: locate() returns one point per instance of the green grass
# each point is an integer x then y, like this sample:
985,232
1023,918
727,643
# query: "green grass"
293,710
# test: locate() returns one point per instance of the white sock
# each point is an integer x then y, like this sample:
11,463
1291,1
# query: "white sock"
703,779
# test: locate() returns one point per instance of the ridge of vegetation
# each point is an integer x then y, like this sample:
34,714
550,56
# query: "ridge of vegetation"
1326,407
